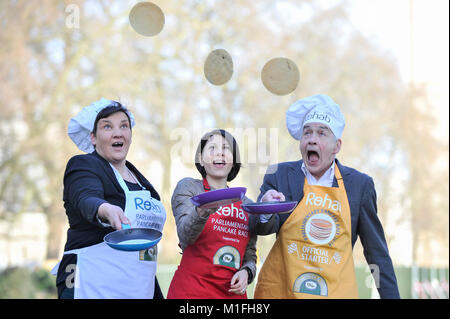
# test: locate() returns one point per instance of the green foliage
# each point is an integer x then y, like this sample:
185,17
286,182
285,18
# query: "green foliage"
23,283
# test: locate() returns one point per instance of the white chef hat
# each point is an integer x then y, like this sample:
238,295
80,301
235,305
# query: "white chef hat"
82,124
319,108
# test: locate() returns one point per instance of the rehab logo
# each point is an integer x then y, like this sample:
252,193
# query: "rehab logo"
318,117
232,211
323,202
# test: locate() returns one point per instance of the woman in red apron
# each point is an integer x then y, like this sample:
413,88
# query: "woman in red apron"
219,250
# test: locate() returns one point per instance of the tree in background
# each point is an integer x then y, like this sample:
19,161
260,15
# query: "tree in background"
50,67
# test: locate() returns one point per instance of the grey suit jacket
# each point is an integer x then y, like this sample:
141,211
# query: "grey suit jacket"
288,178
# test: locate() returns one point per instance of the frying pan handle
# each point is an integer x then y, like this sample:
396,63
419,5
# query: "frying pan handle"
126,226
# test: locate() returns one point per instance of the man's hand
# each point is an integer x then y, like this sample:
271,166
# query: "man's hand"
273,196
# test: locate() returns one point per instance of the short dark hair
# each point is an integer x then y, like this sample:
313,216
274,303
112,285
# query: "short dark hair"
107,111
234,147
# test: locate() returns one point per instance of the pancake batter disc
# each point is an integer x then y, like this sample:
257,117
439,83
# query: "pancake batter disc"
146,18
280,76
218,67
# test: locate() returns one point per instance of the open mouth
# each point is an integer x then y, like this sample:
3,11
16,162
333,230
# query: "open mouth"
313,157
117,145
219,163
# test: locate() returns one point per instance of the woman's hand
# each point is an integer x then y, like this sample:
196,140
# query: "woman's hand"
239,282
205,212
113,214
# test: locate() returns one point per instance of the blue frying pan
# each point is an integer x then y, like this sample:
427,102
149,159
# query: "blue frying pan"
132,239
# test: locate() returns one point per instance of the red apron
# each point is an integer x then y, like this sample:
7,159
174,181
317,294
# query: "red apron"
208,265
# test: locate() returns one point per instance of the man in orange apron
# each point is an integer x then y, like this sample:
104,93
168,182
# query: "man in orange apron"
312,256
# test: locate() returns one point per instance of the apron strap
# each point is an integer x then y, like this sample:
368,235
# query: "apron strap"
119,179
206,186
338,175
122,181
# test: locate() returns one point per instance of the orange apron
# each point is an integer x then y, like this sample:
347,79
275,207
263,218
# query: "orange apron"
312,256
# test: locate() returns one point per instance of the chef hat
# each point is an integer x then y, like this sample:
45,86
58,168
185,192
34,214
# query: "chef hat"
318,108
81,125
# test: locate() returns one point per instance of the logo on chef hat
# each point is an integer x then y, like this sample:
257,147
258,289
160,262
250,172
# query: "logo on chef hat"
227,256
311,283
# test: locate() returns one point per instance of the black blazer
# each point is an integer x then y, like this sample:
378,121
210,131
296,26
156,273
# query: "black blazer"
289,178
89,181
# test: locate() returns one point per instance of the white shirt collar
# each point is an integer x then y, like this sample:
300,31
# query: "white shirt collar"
325,180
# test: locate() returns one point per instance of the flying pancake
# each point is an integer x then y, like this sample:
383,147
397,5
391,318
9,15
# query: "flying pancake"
146,18
280,76
218,67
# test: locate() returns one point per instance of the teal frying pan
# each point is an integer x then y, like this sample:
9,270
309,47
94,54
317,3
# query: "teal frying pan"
132,239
